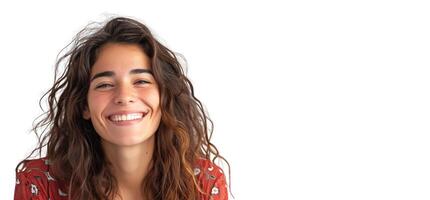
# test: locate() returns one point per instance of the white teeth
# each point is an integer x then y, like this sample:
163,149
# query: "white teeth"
132,116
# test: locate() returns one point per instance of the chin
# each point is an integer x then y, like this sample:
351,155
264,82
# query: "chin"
130,141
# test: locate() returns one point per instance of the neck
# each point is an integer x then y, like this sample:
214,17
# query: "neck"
130,165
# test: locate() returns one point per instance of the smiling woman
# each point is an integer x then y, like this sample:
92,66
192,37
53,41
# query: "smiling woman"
123,98
123,123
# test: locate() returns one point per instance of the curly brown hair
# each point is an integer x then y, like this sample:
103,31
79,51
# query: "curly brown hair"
73,145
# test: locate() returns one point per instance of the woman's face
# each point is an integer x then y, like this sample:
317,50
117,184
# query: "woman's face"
123,97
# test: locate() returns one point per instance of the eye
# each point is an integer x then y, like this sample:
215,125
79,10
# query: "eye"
141,82
104,85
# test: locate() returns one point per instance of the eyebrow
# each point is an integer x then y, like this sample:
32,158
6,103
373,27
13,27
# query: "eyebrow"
111,73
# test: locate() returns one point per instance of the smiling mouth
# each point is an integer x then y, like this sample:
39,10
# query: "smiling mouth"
127,117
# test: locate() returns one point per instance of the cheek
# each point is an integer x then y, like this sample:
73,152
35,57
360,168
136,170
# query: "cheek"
96,103
152,97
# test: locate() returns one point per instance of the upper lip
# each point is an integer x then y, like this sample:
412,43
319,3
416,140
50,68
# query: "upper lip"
124,112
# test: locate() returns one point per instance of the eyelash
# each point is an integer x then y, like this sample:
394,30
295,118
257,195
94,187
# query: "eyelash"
105,84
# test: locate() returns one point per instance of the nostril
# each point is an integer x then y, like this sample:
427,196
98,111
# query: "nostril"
122,101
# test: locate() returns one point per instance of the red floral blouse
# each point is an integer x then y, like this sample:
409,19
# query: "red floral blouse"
34,182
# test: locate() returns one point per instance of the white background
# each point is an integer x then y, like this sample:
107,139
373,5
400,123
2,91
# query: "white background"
310,99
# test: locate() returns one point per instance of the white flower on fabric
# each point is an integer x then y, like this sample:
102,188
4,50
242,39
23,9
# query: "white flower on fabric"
17,181
34,189
196,171
211,168
49,176
214,191
61,193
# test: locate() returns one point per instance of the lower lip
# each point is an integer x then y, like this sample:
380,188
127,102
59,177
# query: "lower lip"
127,122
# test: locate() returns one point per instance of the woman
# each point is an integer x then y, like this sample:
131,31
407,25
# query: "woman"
123,123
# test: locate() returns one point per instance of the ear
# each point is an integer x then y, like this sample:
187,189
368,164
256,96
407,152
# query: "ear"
86,113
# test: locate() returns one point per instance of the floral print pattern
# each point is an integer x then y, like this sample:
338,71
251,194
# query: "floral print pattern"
34,182
212,180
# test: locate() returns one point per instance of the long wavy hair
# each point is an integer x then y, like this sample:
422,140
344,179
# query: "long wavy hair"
73,147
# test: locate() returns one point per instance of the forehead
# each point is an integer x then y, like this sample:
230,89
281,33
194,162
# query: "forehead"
120,58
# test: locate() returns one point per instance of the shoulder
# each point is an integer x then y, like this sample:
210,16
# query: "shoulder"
35,164
212,179
33,180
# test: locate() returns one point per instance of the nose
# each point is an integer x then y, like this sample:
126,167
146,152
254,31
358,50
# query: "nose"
123,101
124,96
